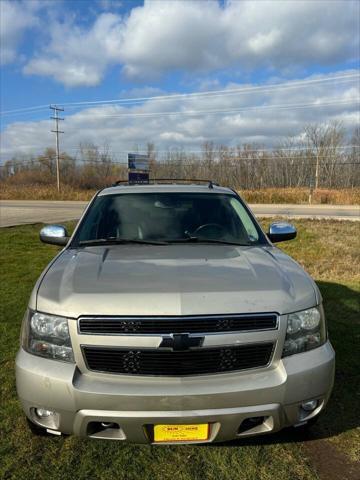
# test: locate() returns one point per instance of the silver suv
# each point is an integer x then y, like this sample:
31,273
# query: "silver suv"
169,316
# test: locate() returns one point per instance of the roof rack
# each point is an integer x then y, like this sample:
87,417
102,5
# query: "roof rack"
169,181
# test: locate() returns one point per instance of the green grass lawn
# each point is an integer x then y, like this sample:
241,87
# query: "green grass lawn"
329,250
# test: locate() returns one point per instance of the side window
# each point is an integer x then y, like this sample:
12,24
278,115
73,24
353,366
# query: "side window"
245,219
90,227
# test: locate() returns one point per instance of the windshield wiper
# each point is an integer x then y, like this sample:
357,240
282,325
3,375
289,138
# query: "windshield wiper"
191,239
118,241
127,241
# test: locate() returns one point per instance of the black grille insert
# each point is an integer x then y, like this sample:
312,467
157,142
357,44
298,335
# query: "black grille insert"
177,363
179,324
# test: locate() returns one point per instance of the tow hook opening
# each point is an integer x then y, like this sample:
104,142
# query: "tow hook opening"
109,430
109,425
250,423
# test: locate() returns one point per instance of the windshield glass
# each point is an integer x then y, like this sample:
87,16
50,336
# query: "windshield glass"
169,217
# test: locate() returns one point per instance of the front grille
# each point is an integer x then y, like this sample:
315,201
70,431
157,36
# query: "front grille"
177,363
179,324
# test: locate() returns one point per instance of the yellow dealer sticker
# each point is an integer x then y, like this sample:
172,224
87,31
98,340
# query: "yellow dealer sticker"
181,433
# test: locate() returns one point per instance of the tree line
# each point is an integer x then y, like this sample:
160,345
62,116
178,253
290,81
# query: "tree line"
322,156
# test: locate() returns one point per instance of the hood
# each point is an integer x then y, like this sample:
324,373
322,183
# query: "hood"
174,280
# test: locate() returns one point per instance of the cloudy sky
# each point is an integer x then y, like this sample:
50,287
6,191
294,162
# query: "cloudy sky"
176,73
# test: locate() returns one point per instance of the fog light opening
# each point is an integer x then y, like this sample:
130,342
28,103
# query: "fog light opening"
310,405
45,417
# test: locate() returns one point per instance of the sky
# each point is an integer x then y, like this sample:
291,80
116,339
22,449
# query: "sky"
175,73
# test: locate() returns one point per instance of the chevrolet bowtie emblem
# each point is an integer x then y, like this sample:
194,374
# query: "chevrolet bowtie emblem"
181,341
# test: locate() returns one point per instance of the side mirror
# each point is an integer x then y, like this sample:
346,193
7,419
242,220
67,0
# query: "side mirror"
281,231
54,234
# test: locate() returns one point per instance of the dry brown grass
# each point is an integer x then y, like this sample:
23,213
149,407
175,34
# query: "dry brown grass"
43,192
346,196
326,249
349,196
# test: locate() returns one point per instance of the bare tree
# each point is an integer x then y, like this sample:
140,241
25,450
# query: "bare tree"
324,154
324,141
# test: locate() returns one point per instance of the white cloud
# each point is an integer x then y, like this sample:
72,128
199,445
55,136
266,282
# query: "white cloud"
170,35
79,57
194,36
122,127
15,18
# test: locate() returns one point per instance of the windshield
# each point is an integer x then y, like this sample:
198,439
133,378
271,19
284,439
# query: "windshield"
168,217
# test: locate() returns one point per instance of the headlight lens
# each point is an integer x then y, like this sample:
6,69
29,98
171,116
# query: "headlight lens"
47,336
305,330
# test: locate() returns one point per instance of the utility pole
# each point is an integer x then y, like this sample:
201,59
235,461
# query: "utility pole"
317,169
57,131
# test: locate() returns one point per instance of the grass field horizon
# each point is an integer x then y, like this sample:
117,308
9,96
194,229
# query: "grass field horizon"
329,251
300,195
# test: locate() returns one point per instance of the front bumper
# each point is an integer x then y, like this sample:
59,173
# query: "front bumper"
85,400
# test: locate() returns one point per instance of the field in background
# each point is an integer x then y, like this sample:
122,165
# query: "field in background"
329,250
346,196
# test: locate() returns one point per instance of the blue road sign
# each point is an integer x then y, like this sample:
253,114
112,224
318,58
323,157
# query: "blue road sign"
137,161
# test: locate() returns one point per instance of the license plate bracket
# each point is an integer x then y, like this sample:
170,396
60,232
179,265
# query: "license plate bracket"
171,433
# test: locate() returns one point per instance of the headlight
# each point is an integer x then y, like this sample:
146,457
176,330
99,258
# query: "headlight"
305,330
47,336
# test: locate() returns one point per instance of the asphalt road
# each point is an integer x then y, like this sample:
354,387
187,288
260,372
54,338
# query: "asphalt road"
19,212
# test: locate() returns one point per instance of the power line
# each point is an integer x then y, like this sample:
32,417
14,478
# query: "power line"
260,88
25,109
186,162
180,150
56,117
233,110
233,154
225,159
350,101
206,94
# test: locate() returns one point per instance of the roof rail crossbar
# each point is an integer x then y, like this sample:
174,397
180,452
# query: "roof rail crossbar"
210,183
